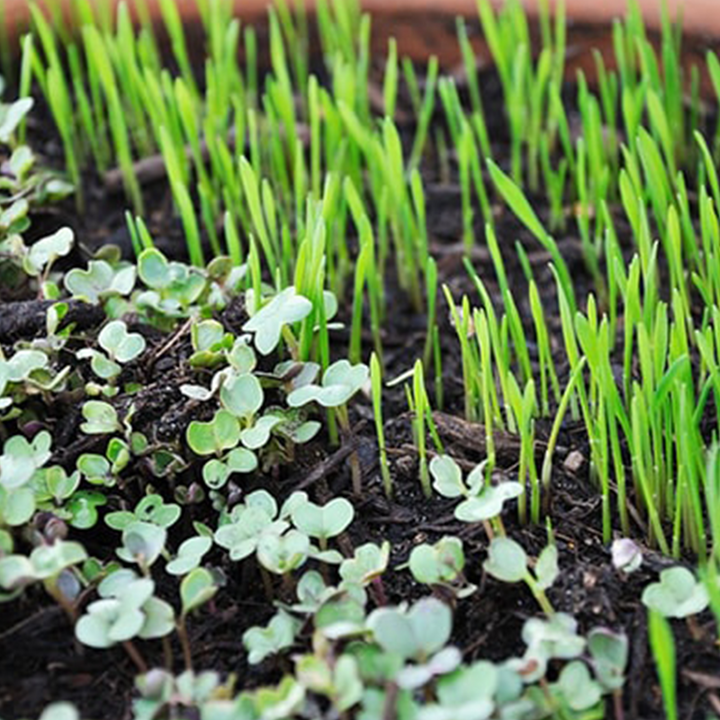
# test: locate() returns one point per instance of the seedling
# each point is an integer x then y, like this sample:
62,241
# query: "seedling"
151,509
662,645
100,281
142,543
626,555
21,458
189,555
103,470
19,462
323,522
278,635
548,639
48,564
283,553
221,433
196,589
241,533
482,502
609,654
121,347
367,565
376,385
441,564
339,383
43,253
418,634
128,609
11,115
172,286
217,472
577,688
677,595
341,683
101,418
210,341
267,323
508,562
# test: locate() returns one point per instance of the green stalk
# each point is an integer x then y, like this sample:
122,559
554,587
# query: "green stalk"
662,645
376,385
546,472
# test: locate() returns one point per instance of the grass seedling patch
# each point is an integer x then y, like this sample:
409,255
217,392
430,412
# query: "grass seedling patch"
339,384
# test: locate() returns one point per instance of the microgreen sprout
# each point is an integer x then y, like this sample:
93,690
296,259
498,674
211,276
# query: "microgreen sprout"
128,609
481,502
508,562
339,383
678,594
323,522
441,564
267,323
261,642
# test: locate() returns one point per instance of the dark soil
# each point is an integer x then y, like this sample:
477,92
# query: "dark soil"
41,662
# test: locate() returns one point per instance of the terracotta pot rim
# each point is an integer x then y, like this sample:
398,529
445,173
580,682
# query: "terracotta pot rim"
700,17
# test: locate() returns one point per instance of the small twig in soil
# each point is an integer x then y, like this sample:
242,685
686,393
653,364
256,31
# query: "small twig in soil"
26,319
38,621
169,344
329,464
709,682
152,168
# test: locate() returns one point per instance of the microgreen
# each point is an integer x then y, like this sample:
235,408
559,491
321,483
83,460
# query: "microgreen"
339,383
285,308
124,612
11,115
241,533
151,509
415,633
142,543
120,345
101,418
678,594
221,433
508,562
99,281
261,642
440,564
482,501
662,645
368,564
311,185
45,563
189,555
323,522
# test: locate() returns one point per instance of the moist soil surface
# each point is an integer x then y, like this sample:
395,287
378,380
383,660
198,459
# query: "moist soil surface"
40,661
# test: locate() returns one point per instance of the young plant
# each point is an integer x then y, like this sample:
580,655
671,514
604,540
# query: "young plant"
376,386
276,636
339,383
441,564
482,502
323,522
677,595
127,609
662,645
197,588
508,562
